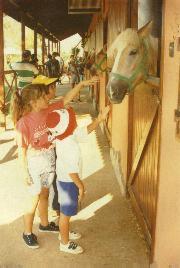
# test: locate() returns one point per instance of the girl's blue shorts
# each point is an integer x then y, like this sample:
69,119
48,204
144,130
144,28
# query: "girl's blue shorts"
68,197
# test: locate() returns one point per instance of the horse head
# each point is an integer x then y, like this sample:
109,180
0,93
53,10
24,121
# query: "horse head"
132,62
95,63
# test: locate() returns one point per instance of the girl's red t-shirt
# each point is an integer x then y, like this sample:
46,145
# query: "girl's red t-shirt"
32,130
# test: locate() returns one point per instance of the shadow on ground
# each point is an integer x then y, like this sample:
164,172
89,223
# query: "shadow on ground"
110,234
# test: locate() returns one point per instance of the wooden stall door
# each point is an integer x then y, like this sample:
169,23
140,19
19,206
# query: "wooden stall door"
143,179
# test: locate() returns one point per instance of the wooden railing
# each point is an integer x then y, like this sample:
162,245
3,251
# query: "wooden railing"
10,84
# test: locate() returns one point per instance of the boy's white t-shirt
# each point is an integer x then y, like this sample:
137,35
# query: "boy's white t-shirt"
68,153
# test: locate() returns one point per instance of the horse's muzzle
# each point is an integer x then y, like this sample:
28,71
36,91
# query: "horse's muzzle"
116,90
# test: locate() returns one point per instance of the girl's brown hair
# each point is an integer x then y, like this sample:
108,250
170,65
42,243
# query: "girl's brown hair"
20,103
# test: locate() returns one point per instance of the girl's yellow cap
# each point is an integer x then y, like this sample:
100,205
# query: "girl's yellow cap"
44,80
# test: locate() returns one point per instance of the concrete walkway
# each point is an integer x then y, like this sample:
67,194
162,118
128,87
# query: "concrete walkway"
110,234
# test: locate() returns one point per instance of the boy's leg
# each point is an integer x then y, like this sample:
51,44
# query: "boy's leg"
55,203
64,228
65,244
30,209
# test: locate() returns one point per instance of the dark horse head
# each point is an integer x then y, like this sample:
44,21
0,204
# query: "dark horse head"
131,63
96,63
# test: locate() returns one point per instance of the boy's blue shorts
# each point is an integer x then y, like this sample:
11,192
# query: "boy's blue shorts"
68,197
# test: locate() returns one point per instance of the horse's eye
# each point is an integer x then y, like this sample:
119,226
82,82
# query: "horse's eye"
133,52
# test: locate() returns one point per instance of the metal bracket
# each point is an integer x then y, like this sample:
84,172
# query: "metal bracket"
177,120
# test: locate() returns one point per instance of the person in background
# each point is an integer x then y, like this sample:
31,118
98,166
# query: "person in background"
34,60
55,66
61,67
80,67
25,70
73,71
48,65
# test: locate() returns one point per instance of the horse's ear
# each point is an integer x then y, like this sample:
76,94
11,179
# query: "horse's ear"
146,29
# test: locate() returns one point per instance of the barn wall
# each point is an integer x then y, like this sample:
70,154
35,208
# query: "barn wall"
167,241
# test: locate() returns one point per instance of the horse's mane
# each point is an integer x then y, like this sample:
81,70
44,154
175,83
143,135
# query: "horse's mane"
130,37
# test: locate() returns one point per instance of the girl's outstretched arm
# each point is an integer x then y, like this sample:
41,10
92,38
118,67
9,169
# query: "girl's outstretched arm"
73,92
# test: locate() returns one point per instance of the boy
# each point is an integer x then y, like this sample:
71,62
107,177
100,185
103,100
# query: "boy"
62,124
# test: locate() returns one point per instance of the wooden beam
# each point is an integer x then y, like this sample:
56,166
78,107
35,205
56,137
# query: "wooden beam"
59,50
132,23
35,41
23,45
1,55
52,46
57,46
43,48
48,46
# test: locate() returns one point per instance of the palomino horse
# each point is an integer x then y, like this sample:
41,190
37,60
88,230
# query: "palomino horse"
135,59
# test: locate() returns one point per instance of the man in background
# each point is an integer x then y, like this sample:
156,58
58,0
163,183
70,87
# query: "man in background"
25,70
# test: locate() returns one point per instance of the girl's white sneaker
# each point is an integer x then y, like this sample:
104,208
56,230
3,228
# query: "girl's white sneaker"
71,247
72,235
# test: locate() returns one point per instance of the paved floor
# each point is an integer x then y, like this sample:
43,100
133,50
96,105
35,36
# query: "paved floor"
110,234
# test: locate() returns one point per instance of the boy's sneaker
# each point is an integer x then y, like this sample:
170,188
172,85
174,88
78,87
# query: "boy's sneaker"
31,241
72,235
50,228
71,247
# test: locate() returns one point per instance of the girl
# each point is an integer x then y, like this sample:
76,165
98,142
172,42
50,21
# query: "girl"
36,153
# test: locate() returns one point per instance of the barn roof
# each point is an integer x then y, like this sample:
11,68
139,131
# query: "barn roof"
50,17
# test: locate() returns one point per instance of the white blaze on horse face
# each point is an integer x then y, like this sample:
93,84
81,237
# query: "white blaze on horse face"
128,61
125,61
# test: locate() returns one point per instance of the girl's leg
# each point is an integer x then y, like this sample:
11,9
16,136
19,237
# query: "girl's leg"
45,226
64,228
43,206
30,209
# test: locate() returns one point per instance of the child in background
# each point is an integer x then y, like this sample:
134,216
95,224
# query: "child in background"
62,124
36,152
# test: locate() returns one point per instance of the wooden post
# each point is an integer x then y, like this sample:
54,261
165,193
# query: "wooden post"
52,46
35,40
48,46
57,46
23,45
43,48
59,50
132,22
1,60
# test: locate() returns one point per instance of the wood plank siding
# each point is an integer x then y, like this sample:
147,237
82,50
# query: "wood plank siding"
143,179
